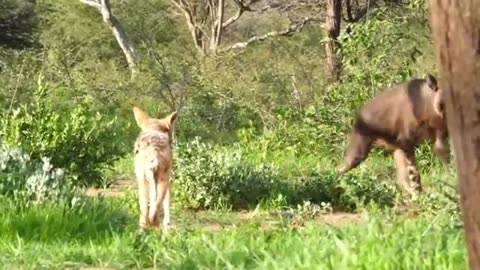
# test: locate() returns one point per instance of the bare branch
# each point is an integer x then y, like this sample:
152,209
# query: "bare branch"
119,33
238,14
212,20
287,32
242,8
92,3
196,31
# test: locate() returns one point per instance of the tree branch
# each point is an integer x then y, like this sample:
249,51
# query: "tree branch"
242,7
92,3
119,33
196,31
287,32
238,14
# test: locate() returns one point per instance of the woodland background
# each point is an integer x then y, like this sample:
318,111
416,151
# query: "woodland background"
265,90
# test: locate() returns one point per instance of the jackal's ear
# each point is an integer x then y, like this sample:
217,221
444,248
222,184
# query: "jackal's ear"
141,117
171,118
168,122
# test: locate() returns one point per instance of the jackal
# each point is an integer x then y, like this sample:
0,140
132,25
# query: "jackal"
153,165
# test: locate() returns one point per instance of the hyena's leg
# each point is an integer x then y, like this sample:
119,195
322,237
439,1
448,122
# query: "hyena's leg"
440,148
413,173
401,165
152,210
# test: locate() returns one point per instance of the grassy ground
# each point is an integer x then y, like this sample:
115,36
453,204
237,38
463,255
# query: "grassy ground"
102,232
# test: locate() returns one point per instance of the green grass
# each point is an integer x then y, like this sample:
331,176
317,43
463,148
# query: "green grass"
103,233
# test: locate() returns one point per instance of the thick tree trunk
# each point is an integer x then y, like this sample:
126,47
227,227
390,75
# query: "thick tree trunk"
456,32
332,27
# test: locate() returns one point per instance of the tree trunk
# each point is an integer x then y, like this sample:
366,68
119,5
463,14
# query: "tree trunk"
456,33
332,26
118,32
217,26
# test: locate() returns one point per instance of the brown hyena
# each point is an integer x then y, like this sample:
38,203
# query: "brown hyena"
153,165
398,119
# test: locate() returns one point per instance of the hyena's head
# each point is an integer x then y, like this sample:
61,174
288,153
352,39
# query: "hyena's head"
438,100
145,122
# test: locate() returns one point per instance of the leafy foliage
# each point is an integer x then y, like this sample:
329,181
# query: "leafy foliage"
31,181
258,128
209,177
74,138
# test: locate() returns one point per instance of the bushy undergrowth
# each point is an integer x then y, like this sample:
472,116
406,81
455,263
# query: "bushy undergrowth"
272,136
74,138
208,176
32,181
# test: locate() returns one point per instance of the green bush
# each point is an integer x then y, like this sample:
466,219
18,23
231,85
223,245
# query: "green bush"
74,138
207,176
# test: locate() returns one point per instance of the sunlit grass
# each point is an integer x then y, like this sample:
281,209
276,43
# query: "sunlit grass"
102,234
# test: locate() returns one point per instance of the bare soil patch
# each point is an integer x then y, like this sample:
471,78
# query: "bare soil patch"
117,189
209,221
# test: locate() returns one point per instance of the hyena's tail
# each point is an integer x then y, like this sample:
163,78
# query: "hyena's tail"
359,144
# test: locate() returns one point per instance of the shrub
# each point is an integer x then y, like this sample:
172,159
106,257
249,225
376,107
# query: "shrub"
75,139
31,181
207,176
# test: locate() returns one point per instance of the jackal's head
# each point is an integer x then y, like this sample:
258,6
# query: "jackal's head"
145,122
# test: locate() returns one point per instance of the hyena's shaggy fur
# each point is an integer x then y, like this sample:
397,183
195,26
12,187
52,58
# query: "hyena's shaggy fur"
398,119
153,165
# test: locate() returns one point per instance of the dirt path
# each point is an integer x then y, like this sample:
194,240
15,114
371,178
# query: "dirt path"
211,221
117,189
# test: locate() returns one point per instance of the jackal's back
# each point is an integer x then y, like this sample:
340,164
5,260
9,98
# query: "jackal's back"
153,149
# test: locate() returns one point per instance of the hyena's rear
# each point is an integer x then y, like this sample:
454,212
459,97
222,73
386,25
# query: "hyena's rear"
153,165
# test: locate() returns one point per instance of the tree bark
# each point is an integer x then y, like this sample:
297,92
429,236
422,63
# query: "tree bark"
456,34
332,27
